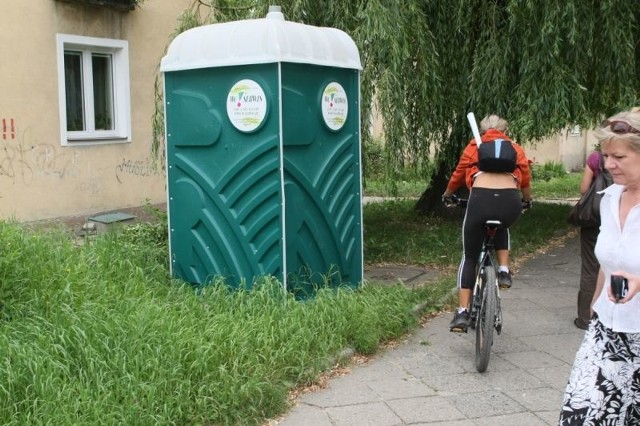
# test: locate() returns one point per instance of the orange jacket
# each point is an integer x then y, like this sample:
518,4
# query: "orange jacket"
468,164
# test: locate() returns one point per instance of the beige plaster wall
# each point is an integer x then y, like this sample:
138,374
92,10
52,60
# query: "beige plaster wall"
570,148
40,178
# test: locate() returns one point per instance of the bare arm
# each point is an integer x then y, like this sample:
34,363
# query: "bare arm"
599,286
587,178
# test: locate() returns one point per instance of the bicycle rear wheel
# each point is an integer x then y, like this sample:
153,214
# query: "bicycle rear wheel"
486,318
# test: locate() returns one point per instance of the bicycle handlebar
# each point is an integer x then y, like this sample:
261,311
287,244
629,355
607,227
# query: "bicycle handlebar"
454,200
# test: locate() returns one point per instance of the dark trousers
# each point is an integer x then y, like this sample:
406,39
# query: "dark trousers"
588,272
484,204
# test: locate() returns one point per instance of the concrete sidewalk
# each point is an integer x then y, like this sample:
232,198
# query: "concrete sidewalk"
431,379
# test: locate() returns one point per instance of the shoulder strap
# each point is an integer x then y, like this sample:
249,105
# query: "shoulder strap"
601,161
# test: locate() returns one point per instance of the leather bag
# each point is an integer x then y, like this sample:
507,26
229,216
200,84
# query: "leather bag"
586,212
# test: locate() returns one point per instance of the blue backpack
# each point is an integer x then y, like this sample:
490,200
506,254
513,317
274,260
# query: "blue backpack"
498,156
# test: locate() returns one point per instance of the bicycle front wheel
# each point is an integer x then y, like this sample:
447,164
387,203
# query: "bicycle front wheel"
486,318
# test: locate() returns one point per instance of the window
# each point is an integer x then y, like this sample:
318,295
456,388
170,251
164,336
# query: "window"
93,79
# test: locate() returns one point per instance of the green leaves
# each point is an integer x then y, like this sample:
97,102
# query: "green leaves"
543,65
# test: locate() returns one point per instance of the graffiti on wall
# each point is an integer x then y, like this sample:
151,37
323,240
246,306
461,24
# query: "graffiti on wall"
136,168
8,129
22,158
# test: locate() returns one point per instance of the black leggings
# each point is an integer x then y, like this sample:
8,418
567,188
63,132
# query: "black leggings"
485,204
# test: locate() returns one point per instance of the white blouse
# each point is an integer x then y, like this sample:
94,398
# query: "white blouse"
618,249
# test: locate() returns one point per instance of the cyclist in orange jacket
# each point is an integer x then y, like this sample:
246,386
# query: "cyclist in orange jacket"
492,195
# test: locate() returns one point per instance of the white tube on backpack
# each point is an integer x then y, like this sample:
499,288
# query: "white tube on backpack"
474,128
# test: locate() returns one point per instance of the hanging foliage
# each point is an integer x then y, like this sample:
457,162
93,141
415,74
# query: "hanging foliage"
542,65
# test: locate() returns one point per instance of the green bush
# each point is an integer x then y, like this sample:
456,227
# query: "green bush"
548,171
373,160
408,181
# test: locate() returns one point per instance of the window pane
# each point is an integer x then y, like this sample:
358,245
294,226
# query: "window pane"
73,90
102,92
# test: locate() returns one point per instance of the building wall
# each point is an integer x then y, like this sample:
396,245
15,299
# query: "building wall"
40,178
570,148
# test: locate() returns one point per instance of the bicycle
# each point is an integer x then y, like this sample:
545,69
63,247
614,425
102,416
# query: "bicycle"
485,313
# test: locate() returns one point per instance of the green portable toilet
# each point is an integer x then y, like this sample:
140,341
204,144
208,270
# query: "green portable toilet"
263,154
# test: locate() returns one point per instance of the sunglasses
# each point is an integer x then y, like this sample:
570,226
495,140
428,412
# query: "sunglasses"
620,127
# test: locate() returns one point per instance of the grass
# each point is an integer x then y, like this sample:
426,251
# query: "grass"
395,233
558,187
99,334
549,181
406,188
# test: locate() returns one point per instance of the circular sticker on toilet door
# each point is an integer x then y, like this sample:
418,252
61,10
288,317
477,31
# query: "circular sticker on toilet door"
335,106
246,105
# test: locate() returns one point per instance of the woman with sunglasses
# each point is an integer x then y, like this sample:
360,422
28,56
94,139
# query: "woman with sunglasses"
604,385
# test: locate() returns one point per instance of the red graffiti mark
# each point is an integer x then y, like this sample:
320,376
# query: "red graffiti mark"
10,130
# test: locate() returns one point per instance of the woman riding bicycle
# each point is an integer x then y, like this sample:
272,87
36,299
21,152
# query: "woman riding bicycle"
493,195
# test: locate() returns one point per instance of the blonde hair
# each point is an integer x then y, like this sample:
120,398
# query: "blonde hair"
605,134
493,122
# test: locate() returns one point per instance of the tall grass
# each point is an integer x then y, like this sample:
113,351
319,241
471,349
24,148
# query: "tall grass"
99,334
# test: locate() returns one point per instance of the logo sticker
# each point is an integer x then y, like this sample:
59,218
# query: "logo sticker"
246,105
335,106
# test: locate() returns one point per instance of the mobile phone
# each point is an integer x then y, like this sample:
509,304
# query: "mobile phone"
619,286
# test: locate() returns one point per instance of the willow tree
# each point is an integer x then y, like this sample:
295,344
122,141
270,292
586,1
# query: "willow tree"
543,65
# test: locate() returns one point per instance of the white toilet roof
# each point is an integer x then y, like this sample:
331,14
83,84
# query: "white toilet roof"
258,41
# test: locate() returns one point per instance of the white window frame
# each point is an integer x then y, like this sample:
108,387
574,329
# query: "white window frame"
119,51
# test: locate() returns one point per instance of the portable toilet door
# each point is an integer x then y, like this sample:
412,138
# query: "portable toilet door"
224,192
263,174
323,200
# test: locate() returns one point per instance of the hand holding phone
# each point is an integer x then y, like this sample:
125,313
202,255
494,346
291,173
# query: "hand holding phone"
619,286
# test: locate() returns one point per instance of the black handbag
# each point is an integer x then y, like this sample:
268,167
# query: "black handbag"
586,212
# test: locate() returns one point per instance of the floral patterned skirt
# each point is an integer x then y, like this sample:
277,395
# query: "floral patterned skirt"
604,385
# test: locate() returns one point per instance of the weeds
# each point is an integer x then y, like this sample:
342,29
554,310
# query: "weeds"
547,171
100,334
